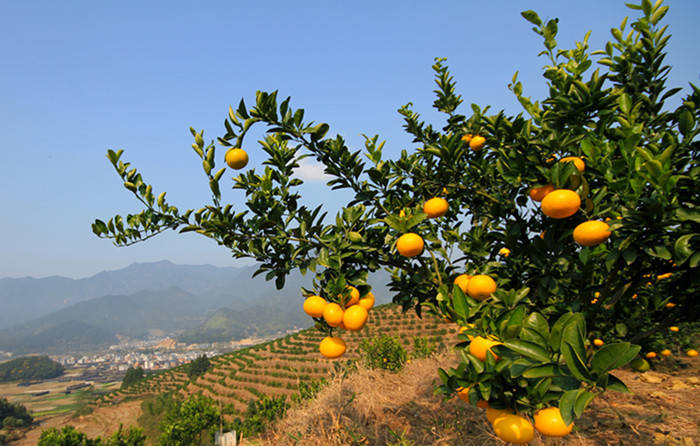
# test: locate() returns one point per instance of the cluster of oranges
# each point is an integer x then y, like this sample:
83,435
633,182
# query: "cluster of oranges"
563,203
518,429
351,318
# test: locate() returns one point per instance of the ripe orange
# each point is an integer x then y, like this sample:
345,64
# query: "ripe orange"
354,296
463,393
435,207
670,305
561,203
367,301
466,138
674,329
481,286
461,281
650,355
477,143
692,353
409,244
550,423
492,414
314,305
538,193
514,429
505,252
578,162
666,352
591,233
355,318
333,314
236,158
479,346
598,342
332,347
663,276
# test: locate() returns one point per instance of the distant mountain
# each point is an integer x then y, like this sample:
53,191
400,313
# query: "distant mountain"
207,303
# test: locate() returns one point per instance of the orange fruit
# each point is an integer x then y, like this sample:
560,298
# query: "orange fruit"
492,414
409,244
692,353
466,138
591,233
332,347
236,158
550,423
479,346
538,193
477,142
578,162
314,305
481,286
354,296
435,207
355,318
650,355
463,393
514,429
670,305
674,329
598,342
505,252
367,301
663,276
333,314
461,281
561,203
666,352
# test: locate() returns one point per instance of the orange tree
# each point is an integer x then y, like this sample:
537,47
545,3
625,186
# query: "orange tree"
635,172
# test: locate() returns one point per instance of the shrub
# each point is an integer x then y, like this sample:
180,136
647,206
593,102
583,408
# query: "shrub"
385,352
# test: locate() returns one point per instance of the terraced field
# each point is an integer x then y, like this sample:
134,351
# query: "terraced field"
278,367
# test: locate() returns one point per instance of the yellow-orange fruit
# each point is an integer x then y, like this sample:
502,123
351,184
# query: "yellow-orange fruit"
332,347
354,296
333,314
539,192
435,207
409,244
236,158
591,233
479,346
314,306
692,353
666,352
367,301
492,414
561,203
578,162
462,281
477,142
466,138
598,342
355,318
481,286
549,422
514,429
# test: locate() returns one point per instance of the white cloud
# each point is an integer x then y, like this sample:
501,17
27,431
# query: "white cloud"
309,170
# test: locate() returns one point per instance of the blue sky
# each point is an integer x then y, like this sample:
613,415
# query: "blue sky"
79,77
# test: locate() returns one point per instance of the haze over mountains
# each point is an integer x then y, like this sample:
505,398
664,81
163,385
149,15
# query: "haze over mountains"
203,303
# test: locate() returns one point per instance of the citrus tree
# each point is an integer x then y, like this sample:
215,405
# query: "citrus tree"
560,239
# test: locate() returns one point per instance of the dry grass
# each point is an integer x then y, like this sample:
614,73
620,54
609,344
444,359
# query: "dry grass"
373,407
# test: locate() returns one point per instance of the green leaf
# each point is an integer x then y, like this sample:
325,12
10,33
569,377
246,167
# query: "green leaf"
682,248
528,349
557,328
686,122
542,371
532,17
688,214
460,302
625,103
566,405
575,363
612,356
614,383
582,401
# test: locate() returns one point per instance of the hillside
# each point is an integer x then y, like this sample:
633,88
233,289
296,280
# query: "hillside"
277,367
